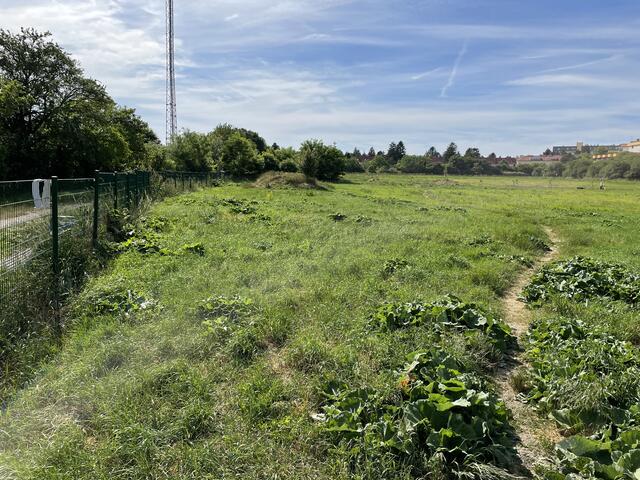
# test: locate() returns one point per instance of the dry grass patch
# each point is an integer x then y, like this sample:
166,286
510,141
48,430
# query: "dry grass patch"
286,179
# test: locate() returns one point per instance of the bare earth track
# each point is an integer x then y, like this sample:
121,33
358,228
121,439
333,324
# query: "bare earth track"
534,433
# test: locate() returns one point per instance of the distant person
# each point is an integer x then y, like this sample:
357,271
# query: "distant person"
602,184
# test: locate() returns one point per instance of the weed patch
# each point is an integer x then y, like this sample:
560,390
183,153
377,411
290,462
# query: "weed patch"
580,279
447,314
581,375
112,298
613,454
392,266
435,412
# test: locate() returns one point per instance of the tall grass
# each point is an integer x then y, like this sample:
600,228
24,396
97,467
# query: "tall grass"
148,387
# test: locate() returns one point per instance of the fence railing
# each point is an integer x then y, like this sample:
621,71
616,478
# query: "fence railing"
43,220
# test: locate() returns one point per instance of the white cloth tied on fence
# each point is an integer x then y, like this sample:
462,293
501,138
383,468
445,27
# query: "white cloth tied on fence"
41,200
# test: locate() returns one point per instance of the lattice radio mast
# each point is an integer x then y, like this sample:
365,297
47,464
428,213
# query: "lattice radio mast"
172,117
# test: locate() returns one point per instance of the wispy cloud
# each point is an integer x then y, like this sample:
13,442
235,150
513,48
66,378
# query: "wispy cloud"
429,73
454,71
581,65
573,80
231,17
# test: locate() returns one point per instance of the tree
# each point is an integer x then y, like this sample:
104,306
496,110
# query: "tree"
53,120
193,152
413,164
310,152
258,141
472,153
225,131
372,153
353,165
450,152
547,152
318,160
379,163
433,154
269,161
240,156
396,152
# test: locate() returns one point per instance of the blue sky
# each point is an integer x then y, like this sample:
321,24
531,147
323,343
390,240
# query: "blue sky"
508,76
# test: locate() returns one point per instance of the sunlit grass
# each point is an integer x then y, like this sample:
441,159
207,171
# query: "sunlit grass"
153,394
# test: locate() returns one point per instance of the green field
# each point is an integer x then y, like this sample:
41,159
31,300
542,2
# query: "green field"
237,315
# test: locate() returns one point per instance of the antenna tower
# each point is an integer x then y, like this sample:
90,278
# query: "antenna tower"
172,117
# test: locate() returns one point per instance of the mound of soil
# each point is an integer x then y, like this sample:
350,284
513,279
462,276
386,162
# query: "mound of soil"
286,180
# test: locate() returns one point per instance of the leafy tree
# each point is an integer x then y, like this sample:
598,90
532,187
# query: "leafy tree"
193,152
287,159
353,165
240,156
380,163
318,160
372,153
224,131
472,153
332,163
269,161
548,152
413,164
258,141
157,157
310,152
53,120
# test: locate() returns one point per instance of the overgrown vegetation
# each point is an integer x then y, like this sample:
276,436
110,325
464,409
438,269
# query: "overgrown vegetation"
438,422
581,373
447,314
581,279
168,358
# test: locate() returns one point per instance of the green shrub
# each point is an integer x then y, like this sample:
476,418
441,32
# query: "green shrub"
448,313
318,160
580,279
435,412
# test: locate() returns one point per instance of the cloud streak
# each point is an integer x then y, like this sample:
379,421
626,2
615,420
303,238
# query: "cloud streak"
454,71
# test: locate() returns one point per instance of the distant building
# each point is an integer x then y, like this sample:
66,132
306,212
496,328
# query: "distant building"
580,147
633,147
538,159
492,160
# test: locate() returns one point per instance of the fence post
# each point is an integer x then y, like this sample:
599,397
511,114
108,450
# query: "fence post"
55,252
96,206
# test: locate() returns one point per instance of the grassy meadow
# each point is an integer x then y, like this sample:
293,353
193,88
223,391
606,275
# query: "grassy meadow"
208,348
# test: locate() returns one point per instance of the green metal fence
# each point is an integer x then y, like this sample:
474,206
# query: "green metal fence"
38,218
